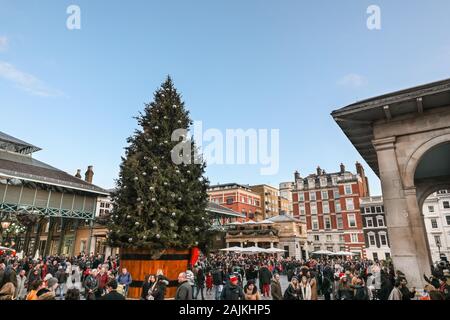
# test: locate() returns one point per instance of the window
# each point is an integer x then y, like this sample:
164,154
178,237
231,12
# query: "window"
348,189
369,222
330,248
324,195
327,223
372,240
349,204
315,224
312,196
325,207
367,209
337,206
301,196
336,194
316,248
323,181
341,239
434,224
313,208
340,224
379,209
329,239
334,180
380,221
446,204
430,208
383,239
448,220
341,248
316,237
437,240
354,237
302,209
351,220
229,200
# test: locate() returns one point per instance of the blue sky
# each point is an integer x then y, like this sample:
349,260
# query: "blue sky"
239,64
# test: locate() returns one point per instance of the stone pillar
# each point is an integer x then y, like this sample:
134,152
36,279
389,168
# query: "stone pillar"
26,243
401,214
271,244
37,236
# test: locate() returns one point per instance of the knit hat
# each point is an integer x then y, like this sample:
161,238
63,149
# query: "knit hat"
51,282
47,276
233,278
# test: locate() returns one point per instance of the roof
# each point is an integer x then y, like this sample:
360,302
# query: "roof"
283,218
19,166
217,208
10,143
356,120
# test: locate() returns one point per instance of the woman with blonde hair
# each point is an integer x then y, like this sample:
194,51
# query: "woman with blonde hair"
7,291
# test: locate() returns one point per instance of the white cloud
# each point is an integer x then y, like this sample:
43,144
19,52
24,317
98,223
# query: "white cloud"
26,81
3,43
352,80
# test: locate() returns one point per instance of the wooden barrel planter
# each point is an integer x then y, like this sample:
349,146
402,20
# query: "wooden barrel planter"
139,264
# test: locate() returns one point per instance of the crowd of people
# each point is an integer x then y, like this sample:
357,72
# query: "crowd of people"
255,277
218,276
51,278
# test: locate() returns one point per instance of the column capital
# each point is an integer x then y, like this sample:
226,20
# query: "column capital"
410,191
384,143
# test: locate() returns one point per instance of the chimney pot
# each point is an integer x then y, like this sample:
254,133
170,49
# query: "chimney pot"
296,175
78,174
319,171
89,175
342,168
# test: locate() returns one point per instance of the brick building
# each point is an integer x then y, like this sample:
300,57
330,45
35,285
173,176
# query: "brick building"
329,202
269,200
238,198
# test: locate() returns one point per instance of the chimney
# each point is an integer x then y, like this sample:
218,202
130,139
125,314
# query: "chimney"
342,168
78,174
319,171
89,175
361,173
296,175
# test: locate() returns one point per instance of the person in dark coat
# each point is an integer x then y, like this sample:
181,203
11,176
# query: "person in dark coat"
184,290
218,281
265,277
232,291
200,283
293,291
326,287
361,292
275,288
406,293
112,294
147,287
91,285
385,286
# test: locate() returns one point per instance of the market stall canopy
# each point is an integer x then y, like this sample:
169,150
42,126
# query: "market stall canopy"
254,249
343,253
275,250
232,249
323,252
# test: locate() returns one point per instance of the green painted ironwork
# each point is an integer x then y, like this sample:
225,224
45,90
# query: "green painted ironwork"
48,212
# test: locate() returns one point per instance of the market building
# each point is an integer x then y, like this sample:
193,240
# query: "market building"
49,203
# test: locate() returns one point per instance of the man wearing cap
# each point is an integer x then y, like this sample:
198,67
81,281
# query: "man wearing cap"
232,291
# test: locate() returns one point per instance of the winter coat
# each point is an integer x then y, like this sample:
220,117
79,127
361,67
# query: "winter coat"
252,295
361,293
231,292
292,293
218,277
61,276
275,288
113,295
406,294
396,294
146,287
313,284
91,286
21,290
124,279
200,280
209,281
306,291
184,291
265,276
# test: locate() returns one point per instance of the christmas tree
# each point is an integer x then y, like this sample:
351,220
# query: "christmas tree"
161,197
